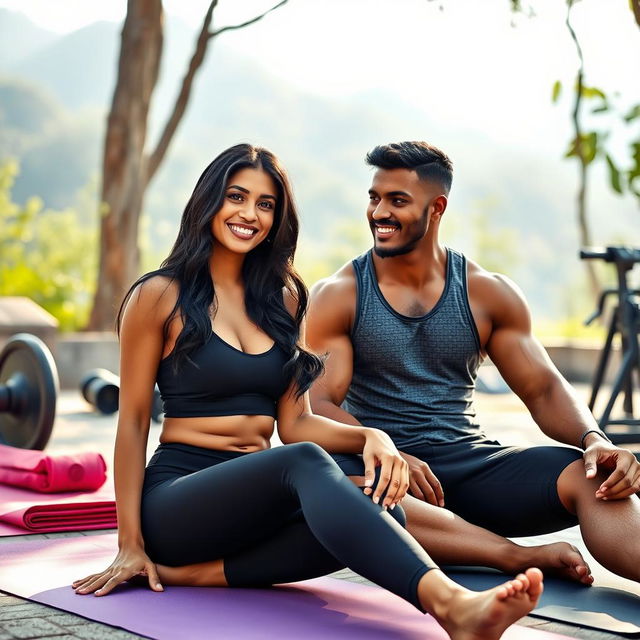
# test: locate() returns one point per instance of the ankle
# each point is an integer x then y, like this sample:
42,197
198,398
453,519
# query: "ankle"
514,558
437,592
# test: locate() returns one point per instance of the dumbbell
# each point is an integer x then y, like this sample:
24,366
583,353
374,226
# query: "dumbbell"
101,389
28,392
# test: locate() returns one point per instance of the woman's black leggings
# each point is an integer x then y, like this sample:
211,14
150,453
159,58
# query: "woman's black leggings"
275,516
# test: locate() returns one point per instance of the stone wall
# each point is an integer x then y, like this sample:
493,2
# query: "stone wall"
78,353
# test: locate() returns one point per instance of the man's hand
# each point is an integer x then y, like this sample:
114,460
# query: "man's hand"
423,484
624,480
379,450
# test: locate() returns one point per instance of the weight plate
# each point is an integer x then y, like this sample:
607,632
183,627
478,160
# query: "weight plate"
28,370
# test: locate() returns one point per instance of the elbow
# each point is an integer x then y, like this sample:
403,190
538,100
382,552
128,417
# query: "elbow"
289,430
541,392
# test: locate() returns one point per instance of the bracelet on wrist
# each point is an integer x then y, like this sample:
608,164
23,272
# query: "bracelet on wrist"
601,433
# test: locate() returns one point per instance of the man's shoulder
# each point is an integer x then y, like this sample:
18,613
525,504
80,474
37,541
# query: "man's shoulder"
333,302
494,289
337,286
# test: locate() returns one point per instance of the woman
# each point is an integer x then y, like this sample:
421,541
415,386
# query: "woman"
219,327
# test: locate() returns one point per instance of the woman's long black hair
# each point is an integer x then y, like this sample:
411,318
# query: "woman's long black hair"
267,270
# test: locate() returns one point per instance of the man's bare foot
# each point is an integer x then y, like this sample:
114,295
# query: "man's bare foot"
485,615
559,559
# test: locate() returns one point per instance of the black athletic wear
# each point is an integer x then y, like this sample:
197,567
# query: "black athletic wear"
509,490
414,378
280,515
220,380
274,516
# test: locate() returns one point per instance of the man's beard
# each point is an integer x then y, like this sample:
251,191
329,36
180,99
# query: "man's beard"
383,252
408,247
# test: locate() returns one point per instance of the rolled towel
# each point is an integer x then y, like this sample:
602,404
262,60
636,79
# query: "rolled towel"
38,471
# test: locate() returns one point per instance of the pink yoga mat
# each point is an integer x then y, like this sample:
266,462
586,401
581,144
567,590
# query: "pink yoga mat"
42,570
23,512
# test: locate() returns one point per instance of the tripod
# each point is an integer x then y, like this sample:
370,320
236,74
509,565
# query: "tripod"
626,322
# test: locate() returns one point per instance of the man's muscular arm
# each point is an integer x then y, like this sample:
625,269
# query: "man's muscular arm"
553,403
329,322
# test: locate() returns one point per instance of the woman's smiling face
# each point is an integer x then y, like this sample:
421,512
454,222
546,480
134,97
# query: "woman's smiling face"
247,213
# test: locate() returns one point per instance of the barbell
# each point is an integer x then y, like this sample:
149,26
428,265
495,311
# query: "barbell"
28,392
101,389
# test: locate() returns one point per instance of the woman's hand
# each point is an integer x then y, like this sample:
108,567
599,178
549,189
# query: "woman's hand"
379,451
128,563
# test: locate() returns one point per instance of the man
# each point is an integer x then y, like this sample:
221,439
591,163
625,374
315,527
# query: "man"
406,326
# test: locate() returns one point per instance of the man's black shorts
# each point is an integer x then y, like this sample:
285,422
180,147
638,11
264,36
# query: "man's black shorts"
509,490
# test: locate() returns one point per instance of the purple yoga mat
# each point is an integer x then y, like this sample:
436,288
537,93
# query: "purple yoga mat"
42,570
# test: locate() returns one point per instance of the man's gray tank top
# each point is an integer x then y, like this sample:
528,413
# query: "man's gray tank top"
414,377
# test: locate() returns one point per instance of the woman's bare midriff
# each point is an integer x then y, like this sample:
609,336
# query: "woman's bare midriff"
232,433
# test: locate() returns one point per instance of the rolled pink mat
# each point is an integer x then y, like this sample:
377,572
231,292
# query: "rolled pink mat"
38,471
72,516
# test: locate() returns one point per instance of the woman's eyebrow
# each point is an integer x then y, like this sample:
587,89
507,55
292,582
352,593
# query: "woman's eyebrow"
239,188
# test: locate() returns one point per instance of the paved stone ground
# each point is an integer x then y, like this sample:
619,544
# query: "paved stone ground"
78,428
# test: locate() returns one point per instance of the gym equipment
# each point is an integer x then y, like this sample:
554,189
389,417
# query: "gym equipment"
101,389
626,322
28,392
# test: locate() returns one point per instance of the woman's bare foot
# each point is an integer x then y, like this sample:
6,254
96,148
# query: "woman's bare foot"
204,574
558,558
485,615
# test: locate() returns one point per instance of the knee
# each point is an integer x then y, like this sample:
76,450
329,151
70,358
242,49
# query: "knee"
399,516
573,484
307,453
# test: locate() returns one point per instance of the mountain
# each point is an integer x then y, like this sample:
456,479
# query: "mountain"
509,202
19,37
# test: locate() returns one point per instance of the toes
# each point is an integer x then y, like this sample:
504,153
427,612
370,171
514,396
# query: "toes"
502,593
535,582
518,586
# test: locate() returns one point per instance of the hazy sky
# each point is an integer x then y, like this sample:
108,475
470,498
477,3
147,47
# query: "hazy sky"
473,63
482,74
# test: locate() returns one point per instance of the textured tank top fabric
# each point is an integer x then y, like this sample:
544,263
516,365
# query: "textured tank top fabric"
414,377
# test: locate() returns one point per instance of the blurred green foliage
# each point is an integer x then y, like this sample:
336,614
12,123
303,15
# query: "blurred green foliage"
46,255
610,117
346,240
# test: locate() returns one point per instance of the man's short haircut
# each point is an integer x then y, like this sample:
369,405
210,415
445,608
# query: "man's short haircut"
426,160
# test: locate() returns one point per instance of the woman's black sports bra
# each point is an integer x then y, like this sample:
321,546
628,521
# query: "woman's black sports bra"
220,380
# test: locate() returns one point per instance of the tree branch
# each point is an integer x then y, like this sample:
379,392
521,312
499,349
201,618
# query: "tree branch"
248,22
635,7
156,157
583,225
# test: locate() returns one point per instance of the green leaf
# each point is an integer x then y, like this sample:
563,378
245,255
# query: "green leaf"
593,92
584,148
614,175
555,92
633,114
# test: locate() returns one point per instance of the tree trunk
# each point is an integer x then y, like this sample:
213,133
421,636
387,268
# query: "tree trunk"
127,168
124,164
